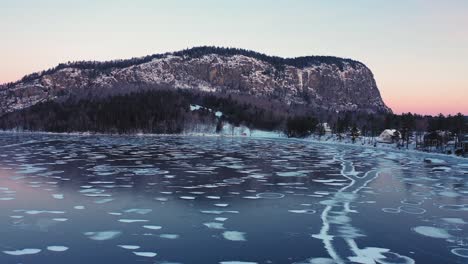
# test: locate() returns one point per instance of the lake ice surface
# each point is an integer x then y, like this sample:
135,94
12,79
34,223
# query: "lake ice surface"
118,199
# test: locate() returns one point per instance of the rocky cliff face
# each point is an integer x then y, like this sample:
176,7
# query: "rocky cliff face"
329,83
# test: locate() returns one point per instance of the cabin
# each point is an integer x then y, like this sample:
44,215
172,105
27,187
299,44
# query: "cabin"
389,136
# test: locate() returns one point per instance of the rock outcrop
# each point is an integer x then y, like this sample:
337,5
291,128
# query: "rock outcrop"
328,83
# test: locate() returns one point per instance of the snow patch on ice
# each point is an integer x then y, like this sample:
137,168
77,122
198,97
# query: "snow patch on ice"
26,251
58,196
132,220
214,225
102,201
234,236
60,219
169,236
102,235
139,211
152,227
371,255
187,197
57,248
458,221
317,261
237,262
35,212
302,211
131,247
145,254
433,232
218,212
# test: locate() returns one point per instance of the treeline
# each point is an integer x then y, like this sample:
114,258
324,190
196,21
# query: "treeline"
277,62
301,126
161,110
373,124
456,124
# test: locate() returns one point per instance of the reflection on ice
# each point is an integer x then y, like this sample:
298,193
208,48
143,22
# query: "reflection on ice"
331,200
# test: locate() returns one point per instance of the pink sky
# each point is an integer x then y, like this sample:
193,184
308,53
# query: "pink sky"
417,50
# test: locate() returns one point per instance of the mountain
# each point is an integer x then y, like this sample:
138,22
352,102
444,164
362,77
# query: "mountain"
326,82
306,84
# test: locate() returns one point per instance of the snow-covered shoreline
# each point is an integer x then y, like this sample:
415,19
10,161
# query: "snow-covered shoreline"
257,134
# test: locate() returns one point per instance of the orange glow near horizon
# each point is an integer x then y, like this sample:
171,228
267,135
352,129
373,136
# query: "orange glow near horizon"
428,108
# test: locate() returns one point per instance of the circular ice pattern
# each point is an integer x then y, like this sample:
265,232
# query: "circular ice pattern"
270,195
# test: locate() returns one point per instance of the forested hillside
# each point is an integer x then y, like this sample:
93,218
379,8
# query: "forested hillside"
154,111
168,111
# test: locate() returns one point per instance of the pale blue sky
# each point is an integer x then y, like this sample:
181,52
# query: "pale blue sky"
418,50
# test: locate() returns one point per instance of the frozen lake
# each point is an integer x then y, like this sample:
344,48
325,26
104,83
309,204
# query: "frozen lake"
104,199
